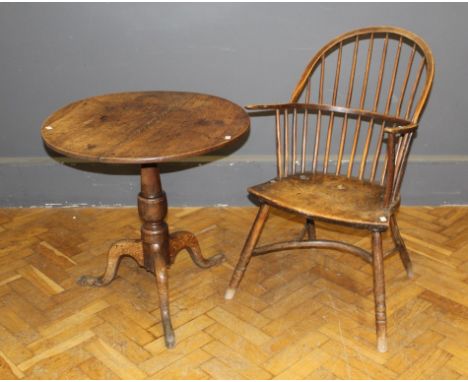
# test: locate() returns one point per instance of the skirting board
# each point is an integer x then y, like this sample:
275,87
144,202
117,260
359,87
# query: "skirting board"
202,181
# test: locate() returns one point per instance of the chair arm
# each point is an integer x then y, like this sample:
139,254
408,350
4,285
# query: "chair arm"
269,106
401,129
405,125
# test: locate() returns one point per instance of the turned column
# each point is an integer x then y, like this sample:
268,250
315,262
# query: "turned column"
152,208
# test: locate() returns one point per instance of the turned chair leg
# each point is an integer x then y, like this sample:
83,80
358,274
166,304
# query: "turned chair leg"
400,244
246,253
308,232
379,292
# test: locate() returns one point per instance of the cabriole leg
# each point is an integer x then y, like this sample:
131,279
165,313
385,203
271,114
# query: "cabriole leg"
132,248
163,292
186,240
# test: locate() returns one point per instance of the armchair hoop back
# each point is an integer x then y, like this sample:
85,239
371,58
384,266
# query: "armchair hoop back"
350,99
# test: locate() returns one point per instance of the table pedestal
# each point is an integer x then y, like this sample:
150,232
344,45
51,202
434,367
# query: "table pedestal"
156,250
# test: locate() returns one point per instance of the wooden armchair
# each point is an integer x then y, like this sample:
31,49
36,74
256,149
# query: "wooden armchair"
341,158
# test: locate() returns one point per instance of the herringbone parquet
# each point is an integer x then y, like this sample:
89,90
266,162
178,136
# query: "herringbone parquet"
298,314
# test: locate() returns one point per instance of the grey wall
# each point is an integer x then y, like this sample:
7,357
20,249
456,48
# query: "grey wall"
52,54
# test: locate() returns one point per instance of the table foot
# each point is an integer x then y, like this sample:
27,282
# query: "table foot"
169,336
132,248
187,240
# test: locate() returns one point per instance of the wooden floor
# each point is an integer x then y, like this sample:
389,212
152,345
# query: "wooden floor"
303,314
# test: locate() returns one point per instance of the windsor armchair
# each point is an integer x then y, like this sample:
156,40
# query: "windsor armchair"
349,169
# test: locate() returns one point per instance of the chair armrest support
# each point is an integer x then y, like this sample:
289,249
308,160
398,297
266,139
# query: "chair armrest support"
390,170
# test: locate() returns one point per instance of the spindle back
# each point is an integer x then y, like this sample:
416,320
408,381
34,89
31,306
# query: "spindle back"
355,86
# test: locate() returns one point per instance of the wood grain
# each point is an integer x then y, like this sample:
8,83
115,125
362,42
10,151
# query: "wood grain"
327,197
144,127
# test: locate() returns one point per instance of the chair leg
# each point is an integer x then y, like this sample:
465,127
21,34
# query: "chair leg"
379,292
246,253
400,244
308,231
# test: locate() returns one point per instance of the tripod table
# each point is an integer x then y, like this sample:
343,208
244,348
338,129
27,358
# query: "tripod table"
147,128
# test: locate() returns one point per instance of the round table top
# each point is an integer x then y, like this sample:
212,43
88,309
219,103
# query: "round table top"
144,127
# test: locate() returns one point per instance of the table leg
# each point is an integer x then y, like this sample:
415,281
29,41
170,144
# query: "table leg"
156,250
186,240
119,249
152,207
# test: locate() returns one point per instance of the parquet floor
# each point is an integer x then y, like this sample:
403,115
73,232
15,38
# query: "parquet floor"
303,314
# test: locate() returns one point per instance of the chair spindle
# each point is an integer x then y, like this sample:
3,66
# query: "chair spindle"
332,115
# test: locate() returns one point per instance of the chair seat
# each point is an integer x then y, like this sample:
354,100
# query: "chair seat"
328,197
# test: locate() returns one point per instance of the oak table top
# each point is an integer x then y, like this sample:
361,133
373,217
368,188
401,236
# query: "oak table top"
147,128
144,127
